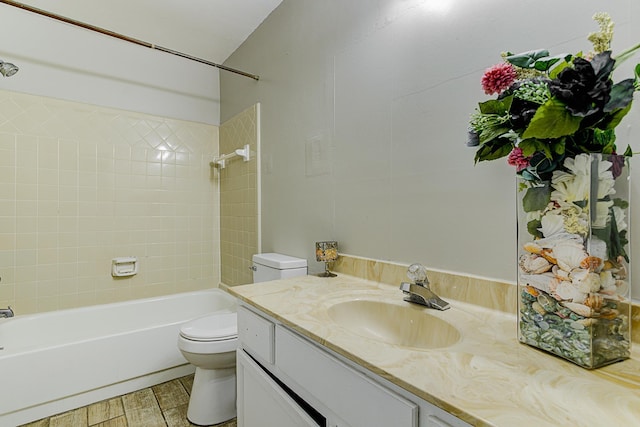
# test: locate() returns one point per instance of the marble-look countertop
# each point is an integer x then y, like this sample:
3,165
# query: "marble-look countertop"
486,378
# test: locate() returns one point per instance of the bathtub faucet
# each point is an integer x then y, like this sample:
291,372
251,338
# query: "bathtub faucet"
6,312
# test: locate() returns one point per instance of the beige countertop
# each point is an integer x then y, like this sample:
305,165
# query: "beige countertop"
486,378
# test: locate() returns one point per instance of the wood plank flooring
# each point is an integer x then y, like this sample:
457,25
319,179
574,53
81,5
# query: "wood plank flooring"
163,405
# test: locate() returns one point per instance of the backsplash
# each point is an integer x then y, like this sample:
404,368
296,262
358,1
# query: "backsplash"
490,294
486,293
80,185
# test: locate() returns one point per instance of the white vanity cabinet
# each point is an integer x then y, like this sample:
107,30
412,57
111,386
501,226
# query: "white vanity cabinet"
263,402
284,379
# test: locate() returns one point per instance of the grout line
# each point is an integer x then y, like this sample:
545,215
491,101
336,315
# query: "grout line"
47,421
155,396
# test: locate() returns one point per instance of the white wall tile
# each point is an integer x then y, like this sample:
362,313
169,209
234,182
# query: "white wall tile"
77,189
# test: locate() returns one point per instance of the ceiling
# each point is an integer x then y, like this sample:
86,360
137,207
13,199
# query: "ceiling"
208,29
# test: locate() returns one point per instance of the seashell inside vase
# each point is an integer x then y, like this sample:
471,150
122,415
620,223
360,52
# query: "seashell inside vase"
573,280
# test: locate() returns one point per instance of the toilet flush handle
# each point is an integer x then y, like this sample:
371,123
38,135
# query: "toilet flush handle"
253,268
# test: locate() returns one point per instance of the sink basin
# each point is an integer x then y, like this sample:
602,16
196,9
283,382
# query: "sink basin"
402,325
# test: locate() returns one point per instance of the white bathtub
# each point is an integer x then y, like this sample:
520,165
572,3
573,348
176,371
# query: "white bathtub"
56,361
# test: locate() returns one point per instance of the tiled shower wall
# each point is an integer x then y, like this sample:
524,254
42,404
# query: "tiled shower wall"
80,185
239,215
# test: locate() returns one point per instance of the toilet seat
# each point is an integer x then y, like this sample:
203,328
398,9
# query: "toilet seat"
213,327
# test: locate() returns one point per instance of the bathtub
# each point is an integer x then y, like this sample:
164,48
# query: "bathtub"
56,361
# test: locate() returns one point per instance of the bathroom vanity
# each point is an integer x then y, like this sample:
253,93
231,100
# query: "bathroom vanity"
283,375
317,352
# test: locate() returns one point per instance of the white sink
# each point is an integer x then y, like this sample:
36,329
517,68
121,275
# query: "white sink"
403,325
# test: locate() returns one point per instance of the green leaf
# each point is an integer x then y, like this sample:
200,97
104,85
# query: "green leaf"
623,56
545,64
533,228
610,121
489,134
499,107
527,59
553,74
530,146
493,150
628,152
621,203
536,198
604,137
616,241
558,146
567,63
621,95
552,120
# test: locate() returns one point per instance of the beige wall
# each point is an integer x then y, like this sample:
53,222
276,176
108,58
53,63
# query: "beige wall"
81,184
68,62
239,216
365,106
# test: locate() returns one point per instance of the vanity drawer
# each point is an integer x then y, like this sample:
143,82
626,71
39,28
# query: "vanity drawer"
256,335
353,397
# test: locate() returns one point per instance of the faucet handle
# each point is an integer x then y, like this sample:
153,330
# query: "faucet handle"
418,273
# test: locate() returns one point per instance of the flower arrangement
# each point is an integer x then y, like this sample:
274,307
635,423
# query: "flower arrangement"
554,119
552,107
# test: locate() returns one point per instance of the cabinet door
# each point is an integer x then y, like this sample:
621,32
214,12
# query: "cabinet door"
350,395
261,402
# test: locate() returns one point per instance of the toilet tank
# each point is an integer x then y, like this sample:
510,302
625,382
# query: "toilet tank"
273,266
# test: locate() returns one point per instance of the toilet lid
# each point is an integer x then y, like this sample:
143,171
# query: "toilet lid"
214,327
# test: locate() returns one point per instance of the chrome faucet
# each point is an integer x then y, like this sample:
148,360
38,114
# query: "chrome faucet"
6,312
420,292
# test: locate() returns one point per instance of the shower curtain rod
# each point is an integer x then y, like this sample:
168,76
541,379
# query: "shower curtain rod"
123,37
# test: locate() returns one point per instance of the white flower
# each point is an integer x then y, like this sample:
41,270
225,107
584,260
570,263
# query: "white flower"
579,165
606,182
602,214
575,186
620,216
570,188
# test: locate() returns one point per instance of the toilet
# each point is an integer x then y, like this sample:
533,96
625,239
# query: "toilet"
209,343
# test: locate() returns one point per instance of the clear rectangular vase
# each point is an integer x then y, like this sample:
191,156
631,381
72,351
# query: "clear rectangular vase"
573,261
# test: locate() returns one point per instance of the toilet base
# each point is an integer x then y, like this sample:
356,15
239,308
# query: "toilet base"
213,396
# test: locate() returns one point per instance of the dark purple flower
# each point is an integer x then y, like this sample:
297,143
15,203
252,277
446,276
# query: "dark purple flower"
585,87
617,163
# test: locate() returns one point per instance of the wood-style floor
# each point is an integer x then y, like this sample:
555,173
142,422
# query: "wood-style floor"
163,405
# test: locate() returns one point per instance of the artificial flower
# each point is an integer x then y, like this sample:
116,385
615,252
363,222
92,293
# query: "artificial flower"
554,119
517,159
617,163
574,184
619,215
602,40
498,78
585,88
552,107
601,217
576,223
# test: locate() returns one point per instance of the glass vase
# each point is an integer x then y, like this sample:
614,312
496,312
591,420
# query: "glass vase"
573,260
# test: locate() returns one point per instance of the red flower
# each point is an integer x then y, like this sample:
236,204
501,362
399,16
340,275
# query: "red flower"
498,78
517,159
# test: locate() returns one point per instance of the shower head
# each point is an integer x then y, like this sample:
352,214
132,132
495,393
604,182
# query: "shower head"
7,69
